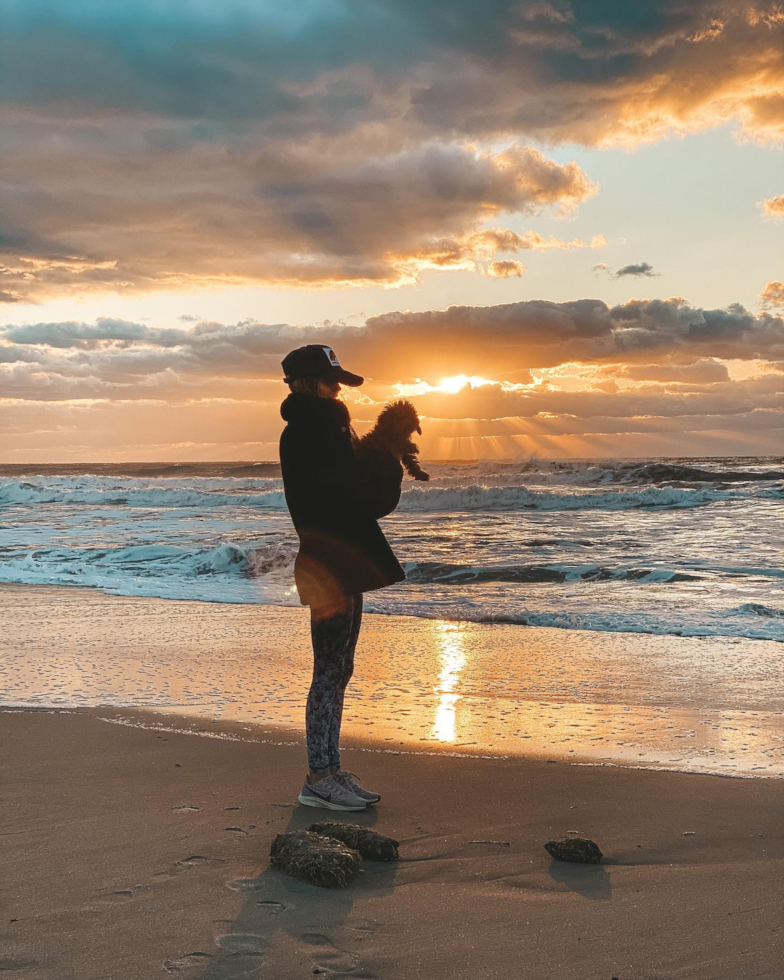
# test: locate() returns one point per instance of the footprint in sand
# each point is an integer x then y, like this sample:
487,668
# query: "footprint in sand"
194,861
242,944
188,962
249,885
327,957
107,899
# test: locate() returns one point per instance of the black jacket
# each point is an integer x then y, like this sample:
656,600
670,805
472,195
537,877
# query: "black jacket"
333,503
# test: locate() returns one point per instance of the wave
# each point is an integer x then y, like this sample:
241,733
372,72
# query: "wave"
726,622
478,497
444,573
262,494
758,609
671,472
22,493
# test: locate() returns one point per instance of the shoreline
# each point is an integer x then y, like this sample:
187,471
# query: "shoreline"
141,853
489,621
647,702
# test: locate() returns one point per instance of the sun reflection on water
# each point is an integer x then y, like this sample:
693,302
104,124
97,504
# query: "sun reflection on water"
453,659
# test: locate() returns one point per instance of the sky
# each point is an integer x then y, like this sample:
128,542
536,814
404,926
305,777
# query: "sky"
554,226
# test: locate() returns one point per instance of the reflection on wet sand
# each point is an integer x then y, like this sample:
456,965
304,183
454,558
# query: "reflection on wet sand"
453,658
704,705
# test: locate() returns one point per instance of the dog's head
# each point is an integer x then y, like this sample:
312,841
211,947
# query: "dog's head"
399,419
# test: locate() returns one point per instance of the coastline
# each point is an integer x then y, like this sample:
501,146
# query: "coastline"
161,750
698,705
138,853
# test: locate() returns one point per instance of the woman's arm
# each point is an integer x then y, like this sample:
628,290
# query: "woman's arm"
381,477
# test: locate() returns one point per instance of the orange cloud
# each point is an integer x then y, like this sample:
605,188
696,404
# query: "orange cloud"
773,295
773,207
504,269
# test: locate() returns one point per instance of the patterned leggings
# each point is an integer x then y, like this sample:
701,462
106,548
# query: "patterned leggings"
334,639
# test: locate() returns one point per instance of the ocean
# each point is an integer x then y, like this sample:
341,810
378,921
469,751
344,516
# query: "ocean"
686,547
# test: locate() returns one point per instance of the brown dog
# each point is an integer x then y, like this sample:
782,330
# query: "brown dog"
392,434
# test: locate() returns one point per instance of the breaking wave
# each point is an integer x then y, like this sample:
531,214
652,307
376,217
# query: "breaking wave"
477,497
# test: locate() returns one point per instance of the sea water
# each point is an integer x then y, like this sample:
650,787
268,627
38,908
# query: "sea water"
691,547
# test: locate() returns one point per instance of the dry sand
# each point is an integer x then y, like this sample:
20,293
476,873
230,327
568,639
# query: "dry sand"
133,853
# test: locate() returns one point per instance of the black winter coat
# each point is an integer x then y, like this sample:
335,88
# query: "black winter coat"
333,503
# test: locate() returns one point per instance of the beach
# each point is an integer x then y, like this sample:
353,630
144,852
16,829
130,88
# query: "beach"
138,853
135,726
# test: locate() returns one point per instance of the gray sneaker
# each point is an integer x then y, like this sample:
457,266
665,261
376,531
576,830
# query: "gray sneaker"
349,780
330,793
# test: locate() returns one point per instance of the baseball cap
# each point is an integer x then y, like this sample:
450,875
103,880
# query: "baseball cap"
317,361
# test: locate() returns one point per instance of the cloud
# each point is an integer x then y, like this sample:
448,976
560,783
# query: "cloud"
289,217
504,269
773,207
636,269
773,295
704,371
333,143
113,358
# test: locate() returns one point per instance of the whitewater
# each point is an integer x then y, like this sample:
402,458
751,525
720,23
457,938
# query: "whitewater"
690,547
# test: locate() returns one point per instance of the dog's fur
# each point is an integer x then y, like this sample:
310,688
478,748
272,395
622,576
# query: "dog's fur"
392,433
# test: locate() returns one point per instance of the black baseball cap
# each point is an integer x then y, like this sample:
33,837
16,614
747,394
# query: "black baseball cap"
315,361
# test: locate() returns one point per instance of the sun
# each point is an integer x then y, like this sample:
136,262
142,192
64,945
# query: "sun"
451,386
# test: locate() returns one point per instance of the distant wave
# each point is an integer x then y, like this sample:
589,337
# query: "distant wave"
103,492
500,472
477,497
666,472
83,494
454,574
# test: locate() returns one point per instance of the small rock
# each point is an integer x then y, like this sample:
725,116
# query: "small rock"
577,850
371,845
318,860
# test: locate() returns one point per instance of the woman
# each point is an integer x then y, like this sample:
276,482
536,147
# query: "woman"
342,553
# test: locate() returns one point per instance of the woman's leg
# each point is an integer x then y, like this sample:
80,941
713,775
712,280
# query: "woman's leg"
348,670
330,631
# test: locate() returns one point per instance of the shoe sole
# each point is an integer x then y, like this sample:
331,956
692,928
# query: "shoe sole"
320,802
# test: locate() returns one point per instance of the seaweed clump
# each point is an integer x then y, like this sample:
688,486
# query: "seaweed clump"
315,859
370,844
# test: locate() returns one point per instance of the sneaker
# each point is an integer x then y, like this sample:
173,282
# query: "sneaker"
349,780
330,793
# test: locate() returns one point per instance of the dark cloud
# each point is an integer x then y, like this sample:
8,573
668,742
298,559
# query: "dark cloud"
286,216
636,269
191,145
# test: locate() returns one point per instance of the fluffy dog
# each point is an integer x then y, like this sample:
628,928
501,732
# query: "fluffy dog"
392,434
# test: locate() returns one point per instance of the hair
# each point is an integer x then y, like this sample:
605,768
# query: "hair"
306,386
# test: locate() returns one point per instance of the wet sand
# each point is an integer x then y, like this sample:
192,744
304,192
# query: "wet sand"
135,853
699,705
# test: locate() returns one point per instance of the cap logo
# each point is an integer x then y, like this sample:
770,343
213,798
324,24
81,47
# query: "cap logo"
333,357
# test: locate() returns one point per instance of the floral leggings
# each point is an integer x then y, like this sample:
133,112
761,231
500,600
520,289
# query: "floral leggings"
334,639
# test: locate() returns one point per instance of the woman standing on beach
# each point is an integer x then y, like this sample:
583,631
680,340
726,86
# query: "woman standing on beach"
342,553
